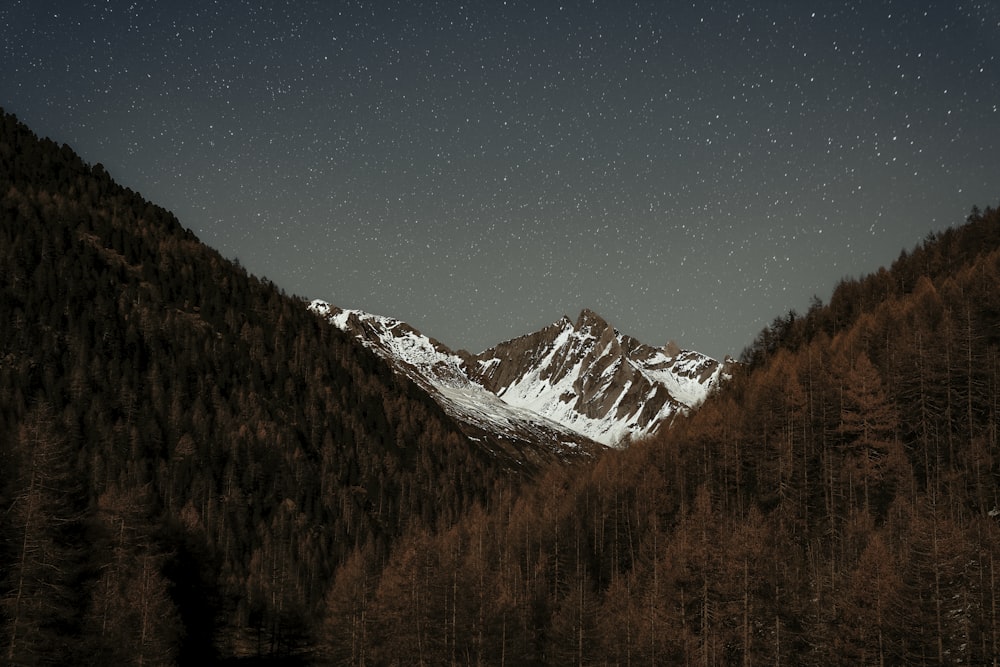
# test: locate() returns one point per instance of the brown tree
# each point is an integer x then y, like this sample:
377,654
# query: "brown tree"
344,632
41,531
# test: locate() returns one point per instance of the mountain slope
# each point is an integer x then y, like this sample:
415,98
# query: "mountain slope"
569,383
172,425
443,375
835,503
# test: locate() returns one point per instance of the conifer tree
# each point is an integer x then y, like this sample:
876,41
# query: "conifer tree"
42,532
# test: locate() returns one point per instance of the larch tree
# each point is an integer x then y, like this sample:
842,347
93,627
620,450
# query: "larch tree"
42,532
868,427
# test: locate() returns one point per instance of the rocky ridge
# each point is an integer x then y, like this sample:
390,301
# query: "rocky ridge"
592,378
570,385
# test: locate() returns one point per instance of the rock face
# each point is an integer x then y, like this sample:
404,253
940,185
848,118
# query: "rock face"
569,385
594,379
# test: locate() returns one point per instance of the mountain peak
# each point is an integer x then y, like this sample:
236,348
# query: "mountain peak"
590,320
606,385
584,378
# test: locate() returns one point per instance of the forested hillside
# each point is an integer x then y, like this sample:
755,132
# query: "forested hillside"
194,467
836,503
187,453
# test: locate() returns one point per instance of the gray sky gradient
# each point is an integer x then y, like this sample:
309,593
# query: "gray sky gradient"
687,170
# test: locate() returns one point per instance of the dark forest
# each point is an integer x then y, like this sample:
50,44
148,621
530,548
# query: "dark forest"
195,467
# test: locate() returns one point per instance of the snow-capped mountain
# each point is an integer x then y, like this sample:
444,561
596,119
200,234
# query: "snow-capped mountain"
595,380
570,384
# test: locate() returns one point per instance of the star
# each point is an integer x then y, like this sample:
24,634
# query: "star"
480,169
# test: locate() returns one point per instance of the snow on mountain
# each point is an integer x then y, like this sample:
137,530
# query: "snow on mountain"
594,379
570,383
424,359
442,374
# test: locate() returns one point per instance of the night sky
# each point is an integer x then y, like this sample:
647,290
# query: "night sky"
688,170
